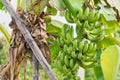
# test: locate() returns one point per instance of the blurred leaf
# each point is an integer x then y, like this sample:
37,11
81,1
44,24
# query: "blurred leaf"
4,31
54,48
58,4
76,4
1,5
54,27
110,60
110,25
52,10
108,13
98,72
108,41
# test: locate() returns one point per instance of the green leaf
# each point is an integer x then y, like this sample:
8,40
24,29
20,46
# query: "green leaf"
52,10
108,13
110,61
54,48
54,27
4,31
108,41
1,5
77,4
58,4
98,72
110,25
73,5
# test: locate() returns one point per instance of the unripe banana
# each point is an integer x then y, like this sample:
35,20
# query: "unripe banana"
80,14
76,67
94,47
90,48
91,16
66,60
75,43
62,57
73,54
65,69
78,23
61,42
85,25
92,37
89,59
86,13
63,33
59,65
101,37
85,48
71,32
92,54
87,65
65,47
68,17
96,31
79,56
81,45
96,17
71,63
69,38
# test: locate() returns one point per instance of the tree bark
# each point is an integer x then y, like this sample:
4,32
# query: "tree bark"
36,51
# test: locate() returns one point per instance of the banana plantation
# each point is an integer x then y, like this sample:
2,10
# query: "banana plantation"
60,40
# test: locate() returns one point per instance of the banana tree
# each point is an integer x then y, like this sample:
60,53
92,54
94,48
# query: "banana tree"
65,47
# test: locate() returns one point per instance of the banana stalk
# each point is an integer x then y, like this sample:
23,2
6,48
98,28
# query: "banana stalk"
70,7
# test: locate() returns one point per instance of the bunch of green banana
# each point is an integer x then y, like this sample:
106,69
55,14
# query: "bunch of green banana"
69,17
83,14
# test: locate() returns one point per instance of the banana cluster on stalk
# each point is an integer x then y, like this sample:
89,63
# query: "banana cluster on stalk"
74,53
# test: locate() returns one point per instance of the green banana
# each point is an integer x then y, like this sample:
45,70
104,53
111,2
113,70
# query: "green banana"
80,14
71,63
81,45
66,60
79,56
75,43
61,41
85,25
65,69
76,67
91,15
101,37
63,33
73,54
96,31
69,38
68,16
62,57
59,65
94,47
85,48
90,48
88,59
65,48
96,17
86,13
78,23
71,32
87,64
92,54
92,37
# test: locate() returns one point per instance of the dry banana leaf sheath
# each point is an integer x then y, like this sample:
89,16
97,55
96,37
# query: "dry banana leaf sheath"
19,47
